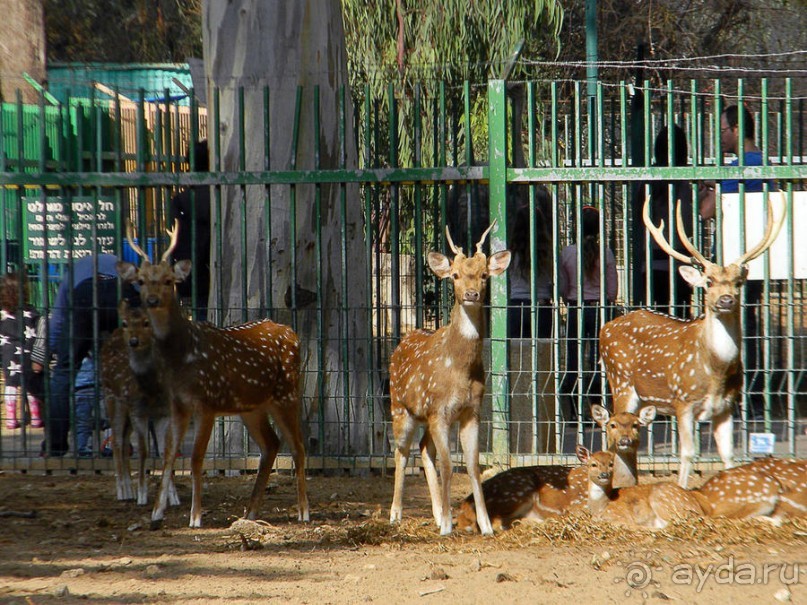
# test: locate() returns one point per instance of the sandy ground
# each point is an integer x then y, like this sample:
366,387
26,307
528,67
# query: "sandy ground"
82,545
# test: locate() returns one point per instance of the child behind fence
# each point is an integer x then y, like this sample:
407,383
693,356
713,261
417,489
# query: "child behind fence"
18,322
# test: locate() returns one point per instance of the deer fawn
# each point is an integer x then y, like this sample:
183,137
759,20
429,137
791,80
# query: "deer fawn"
134,393
651,506
535,493
252,370
687,368
437,378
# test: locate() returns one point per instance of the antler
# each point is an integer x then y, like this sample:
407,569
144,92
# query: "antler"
658,235
484,235
685,241
456,250
771,233
132,244
174,235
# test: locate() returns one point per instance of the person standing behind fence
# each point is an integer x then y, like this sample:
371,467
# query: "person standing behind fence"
752,156
71,332
662,207
519,315
191,206
586,301
18,322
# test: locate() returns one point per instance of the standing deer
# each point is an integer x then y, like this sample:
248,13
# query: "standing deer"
437,379
651,506
134,393
687,368
535,493
252,370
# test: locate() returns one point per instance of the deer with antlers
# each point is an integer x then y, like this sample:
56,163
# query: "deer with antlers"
687,368
252,370
437,378
134,394
535,493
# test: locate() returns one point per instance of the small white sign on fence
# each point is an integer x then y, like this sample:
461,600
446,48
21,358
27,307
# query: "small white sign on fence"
761,443
755,222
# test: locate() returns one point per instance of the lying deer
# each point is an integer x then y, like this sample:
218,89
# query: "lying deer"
134,393
770,488
687,368
252,370
652,506
535,493
437,379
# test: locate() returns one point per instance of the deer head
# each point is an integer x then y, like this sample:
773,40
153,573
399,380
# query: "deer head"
600,466
469,273
156,281
722,283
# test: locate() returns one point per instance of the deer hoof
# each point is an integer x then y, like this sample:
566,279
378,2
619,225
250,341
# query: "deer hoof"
156,524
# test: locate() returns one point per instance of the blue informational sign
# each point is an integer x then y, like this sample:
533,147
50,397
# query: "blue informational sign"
761,443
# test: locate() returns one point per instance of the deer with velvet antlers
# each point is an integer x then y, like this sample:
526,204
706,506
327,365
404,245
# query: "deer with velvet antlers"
252,370
687,368
437,379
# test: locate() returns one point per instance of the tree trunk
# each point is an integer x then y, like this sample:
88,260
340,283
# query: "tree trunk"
22,30
283,45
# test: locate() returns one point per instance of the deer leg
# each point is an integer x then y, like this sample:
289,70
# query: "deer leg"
686,438
723,430
469,438
179,424
141,428
439,434
427,454
403,428
164,442
261,431
123,478
203,429
287,420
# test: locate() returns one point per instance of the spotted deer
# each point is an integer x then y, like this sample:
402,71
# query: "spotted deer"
437,379
768,488
535,493
687,368
134,394
252,370
650,506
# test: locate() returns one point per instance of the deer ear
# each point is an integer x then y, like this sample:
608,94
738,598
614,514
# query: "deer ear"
582,453
126,271
498,263
439,264
181,270
647,415
600,414
693,277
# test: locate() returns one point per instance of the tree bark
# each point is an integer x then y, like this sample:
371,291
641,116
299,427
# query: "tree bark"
283,45
22,31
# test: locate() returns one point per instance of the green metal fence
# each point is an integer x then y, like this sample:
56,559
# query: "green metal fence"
352,223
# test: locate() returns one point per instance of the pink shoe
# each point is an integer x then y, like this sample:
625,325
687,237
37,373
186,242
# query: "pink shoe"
36,418
12,424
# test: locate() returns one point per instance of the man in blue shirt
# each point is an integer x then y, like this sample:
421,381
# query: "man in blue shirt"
71,332
752,156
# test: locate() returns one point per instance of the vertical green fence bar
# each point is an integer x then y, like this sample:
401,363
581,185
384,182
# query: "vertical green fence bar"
418,216
345,311
242,166
321,344
497,157
791,299
267,203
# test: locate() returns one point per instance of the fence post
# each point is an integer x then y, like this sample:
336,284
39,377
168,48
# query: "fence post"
497,159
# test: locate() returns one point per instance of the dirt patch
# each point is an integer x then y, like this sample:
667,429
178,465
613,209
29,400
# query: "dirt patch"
84,545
